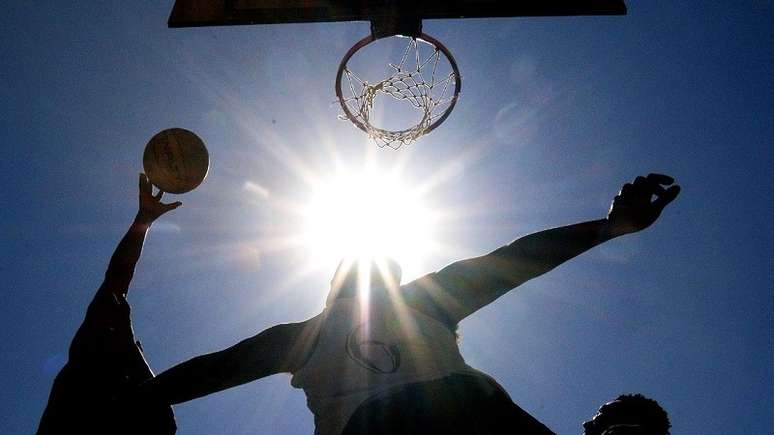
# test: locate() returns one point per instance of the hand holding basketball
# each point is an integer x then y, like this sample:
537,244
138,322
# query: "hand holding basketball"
633,208
151,206
176,160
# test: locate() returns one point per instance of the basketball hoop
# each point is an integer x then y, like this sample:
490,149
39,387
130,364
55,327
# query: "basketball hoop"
415,80
429,92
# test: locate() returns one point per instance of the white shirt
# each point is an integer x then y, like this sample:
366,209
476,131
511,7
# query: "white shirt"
360,353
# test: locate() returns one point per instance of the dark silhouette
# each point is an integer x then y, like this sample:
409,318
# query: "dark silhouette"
629,414
104,359
386,360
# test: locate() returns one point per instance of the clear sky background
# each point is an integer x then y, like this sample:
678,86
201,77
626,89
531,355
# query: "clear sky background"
555,115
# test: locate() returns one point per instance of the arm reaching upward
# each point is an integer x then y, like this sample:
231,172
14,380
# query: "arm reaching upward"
462,288
121,268
112,292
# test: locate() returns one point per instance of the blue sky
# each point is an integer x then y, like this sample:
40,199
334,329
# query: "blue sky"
555,115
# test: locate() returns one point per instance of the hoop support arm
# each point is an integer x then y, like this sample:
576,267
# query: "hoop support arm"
399,24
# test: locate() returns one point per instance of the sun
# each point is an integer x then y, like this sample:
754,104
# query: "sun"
366,215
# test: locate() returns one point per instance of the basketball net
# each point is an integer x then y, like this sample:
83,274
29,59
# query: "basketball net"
413,80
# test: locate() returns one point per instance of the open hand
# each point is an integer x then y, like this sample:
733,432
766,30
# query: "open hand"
634,208
151,206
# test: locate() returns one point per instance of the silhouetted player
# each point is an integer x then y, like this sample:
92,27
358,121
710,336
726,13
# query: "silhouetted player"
387,361
104,360
629,414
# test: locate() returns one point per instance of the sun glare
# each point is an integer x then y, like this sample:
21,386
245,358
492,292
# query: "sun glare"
368,215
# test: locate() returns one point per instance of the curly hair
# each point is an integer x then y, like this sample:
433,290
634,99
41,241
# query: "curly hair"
647,411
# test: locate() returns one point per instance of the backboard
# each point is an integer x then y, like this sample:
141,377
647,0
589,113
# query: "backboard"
192,13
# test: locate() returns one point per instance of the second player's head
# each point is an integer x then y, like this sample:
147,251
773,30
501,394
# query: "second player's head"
629,414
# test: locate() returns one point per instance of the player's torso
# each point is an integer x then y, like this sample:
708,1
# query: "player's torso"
361,352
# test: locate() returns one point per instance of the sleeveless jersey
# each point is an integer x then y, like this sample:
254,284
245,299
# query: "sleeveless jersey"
362,352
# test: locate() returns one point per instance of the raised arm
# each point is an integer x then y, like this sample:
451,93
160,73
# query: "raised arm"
280,349
122,263
462,288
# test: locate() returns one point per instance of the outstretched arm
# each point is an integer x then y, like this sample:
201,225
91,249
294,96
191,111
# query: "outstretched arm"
122,263
462,288
279,349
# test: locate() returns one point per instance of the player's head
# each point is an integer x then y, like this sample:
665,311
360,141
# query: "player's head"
633,410
378,274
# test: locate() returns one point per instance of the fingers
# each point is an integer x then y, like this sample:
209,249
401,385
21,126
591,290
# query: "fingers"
159,195
635,209
649,185
661,178
173,205
668,196
638,192
643,188
654,184
627,190
145,185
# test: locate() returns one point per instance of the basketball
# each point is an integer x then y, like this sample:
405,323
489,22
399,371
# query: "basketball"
176,160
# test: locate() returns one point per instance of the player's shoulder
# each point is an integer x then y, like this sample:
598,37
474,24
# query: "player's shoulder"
301,330
425,295
302,338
